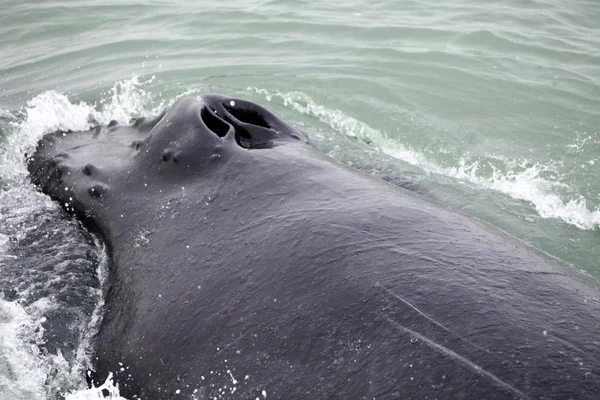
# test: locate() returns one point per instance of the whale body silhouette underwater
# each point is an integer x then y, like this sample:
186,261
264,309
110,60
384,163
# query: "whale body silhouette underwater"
245,263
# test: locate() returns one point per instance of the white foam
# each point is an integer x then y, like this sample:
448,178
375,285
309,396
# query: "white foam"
21,375
529,185
96,393
526,183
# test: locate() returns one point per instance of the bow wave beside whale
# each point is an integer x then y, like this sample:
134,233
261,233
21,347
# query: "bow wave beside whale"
238,250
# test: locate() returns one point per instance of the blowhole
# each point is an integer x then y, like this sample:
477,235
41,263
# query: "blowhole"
255,140
214,123
248,116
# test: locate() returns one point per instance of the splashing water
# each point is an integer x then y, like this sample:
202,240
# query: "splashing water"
97,392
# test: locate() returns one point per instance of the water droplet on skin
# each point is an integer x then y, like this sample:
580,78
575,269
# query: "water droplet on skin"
232,378
232,103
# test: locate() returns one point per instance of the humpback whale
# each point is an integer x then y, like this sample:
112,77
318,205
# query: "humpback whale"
245,264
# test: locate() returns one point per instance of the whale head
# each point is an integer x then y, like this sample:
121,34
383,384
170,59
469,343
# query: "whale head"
197,137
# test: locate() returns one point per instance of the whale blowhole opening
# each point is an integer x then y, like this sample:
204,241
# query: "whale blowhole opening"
248,116
214,123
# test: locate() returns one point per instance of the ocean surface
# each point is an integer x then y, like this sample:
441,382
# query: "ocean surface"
491,108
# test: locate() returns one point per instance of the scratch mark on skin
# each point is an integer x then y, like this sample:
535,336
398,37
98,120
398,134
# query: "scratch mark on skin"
430,319
402,299
451,354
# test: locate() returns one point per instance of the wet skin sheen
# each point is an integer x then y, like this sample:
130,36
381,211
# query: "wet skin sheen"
244,260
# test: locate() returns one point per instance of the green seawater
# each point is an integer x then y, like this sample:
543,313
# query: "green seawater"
491,108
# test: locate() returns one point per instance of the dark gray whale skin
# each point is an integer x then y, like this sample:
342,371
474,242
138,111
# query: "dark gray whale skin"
243,260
